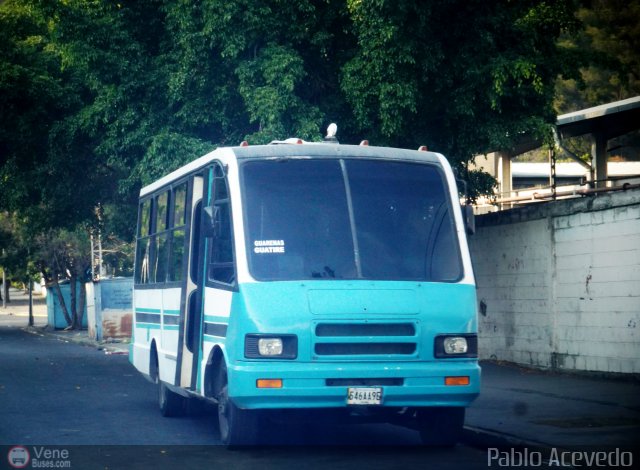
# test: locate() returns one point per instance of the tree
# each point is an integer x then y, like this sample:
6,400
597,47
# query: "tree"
64,254
15,253
100,97
237,72
463,77
34,94
609,41
151,84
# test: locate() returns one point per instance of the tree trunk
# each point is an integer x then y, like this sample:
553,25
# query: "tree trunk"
83,302
72,301
63,307
30,303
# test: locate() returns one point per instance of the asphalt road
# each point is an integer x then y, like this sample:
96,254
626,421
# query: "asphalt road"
57,396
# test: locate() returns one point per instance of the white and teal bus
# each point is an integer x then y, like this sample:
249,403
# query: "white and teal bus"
308,276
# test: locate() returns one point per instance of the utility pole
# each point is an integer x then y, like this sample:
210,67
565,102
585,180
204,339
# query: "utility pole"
30,302
93,270
101,272
4,285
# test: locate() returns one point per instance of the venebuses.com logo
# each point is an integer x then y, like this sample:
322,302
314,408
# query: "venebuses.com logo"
38,457
18,457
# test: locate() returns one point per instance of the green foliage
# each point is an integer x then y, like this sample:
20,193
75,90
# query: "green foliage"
14,248
268,86
462,77
98,97
478,183
608,42
169,151
33,90
65,254
608,69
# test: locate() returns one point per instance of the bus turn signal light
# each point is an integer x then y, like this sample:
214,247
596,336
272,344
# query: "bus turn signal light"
269,383
463,380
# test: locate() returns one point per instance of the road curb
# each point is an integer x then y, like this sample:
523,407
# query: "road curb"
110,348
486,438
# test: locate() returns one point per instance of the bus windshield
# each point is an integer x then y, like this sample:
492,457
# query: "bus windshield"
311,218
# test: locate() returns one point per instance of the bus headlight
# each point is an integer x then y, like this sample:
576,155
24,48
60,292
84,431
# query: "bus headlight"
455,345
270,346
463,345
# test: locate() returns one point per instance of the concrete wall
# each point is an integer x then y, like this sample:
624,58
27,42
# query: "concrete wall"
559,284
55,317
109,308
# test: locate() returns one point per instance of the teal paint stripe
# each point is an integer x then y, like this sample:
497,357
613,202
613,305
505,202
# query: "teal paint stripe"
157,310
171,327
147,310
216,319
150,326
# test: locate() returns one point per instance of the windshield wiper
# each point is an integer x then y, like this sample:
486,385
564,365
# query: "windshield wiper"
328,272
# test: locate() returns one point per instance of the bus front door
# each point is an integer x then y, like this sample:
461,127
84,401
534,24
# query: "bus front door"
191,301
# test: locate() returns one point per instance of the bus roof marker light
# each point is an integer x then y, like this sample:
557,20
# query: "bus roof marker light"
423,148
244,143
364,143
332,130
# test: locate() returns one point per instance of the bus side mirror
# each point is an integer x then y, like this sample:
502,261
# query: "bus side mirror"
469,219
211,222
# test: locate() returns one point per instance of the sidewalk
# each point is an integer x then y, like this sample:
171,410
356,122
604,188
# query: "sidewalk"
16,315
517,407
532,408
16,312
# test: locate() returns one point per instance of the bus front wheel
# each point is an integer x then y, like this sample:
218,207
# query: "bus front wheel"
440,426
237,427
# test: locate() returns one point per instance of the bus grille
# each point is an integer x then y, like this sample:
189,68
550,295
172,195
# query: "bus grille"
365,340
365,329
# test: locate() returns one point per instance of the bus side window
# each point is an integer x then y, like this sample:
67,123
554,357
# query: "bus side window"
178,228
159,269
144,243
221,264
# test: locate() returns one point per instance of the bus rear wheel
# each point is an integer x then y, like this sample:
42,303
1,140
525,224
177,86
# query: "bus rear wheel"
237,427
171,404
440,426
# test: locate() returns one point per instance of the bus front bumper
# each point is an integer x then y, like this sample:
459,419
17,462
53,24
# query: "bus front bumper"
326,385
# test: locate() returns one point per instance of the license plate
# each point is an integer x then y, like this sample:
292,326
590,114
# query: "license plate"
364,396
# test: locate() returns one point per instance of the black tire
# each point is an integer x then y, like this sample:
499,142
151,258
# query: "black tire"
171,404
237,427
440,426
